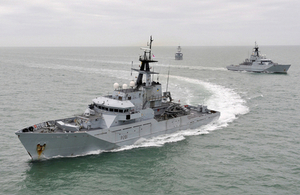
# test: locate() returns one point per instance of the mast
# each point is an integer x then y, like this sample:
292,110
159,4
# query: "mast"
168,79
150,47
256,49
145,68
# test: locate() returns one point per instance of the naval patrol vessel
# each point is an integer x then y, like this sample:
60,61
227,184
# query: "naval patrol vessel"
178,54
259,63
127,116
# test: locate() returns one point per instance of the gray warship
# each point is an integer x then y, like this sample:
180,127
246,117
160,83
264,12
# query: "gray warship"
259,63
178,54
125,117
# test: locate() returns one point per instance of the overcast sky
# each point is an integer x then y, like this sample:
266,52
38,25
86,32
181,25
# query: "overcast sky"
131,22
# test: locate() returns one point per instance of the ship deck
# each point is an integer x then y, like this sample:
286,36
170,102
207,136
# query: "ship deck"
74,124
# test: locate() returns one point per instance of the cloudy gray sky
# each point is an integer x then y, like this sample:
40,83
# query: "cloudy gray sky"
131,22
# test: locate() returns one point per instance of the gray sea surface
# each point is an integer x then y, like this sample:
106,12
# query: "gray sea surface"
254,148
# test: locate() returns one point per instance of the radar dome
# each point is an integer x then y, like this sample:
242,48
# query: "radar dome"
131,84
116,85
125,86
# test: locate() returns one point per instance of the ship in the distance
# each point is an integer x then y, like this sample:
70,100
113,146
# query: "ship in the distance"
178,54
125,117
259,63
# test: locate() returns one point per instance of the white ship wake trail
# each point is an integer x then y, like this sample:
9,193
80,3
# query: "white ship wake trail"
191,67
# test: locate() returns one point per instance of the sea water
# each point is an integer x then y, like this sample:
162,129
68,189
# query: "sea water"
252,149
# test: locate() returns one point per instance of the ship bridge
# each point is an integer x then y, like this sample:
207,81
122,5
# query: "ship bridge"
113,105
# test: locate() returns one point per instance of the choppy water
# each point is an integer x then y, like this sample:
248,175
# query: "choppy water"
252,149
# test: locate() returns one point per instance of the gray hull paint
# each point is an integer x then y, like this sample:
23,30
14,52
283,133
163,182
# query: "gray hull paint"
259,63
85,142
122,118
260,68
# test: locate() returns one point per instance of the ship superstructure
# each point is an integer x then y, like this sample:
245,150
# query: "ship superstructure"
178,54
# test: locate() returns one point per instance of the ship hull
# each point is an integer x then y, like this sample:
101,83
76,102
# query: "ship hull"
260,68
178,56
52,145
